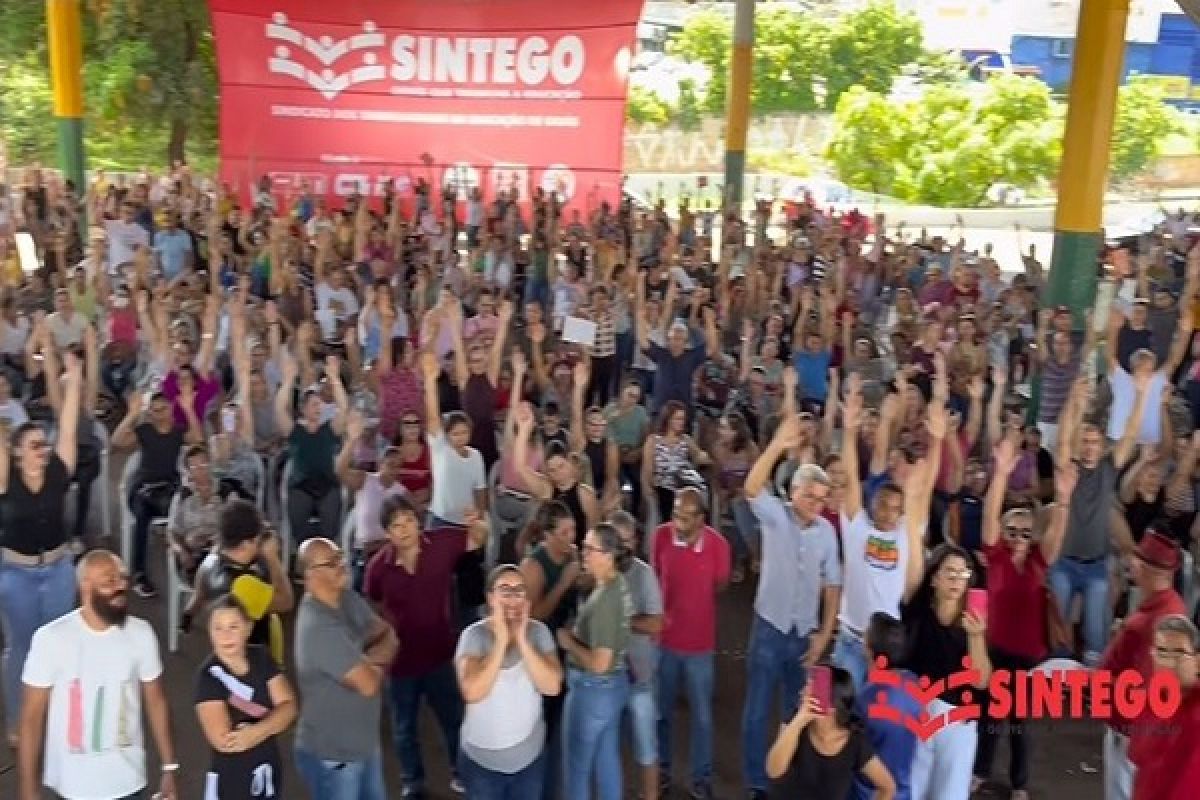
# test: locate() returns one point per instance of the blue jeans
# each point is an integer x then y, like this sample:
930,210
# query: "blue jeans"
746,532
592,734
773,658
341,780
850,654
1069,577
29,598
484,784
440,687
696,672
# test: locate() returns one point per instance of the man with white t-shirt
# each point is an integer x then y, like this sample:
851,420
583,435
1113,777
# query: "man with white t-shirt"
883,550
370,490
124,237
86,678
1142,365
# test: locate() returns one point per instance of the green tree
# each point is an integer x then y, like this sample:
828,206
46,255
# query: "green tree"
1143,122
26,111
688,114
870,47
707,38
646,107
949,147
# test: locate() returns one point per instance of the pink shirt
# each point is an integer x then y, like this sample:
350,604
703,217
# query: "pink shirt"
690,576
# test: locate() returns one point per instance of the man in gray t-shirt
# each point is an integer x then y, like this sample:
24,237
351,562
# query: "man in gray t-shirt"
642,655
505,664
343,650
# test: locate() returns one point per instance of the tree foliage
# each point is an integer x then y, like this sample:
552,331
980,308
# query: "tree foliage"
949,147
645,107
149,82
1143,122
796,52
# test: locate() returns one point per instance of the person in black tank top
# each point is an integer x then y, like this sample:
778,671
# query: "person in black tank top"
39,578
561,479
589,435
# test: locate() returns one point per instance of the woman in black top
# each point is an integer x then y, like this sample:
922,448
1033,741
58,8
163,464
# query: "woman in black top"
159,444
819,753
37,578
243,702
941,634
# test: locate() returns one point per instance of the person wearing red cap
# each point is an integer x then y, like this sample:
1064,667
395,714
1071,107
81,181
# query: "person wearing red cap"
1154,563
1165,751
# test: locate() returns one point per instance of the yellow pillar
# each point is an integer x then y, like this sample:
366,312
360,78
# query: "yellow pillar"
66,75
1083,176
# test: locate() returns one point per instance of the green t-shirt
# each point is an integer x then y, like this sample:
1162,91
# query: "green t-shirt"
604,622
626,428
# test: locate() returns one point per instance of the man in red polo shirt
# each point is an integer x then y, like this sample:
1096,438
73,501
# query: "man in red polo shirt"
1155,561
693,563
411,579
1167,752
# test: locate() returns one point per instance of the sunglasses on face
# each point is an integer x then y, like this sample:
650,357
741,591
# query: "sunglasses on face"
957,574
511,591
1017,532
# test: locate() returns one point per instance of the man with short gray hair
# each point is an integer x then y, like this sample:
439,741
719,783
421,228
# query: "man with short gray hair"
801,573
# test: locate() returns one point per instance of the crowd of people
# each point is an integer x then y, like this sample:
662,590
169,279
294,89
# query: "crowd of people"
506,458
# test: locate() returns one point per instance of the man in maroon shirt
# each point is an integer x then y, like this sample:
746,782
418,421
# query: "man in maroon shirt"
1154,564
1167,751
693,563
410,580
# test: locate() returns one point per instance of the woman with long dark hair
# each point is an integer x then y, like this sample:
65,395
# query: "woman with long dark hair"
668,452
941,634
735,453
821,750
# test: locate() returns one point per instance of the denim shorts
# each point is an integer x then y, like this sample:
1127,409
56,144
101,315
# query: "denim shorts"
642,713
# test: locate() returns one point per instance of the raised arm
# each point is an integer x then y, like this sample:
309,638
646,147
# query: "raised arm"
993,506
1124,449
453,319
918,495
1180,345
582,377
852,496
995,420
66,448
284,419
538,485
787,436
333,373
1065,478
353,479
496,358
430,370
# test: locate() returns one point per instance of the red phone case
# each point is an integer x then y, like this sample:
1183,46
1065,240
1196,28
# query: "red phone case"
977,602
822,687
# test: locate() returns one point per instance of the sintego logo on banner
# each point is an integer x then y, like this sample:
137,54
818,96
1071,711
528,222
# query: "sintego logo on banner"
475,61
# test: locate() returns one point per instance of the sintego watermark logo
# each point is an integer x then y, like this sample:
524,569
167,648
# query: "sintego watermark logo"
468,61
1053,694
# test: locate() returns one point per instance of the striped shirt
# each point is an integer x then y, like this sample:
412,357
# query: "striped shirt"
605,344
1057,380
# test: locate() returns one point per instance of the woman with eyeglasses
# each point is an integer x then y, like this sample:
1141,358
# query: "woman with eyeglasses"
243,703
941,633
37,578
596,672
821,750
505,664
1017,562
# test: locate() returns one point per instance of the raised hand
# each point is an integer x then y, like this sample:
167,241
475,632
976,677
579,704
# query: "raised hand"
1005,456
583,374
788,434
356,425
1065,478
430,368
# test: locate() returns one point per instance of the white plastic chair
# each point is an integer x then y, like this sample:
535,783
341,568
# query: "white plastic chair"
127,520
178,590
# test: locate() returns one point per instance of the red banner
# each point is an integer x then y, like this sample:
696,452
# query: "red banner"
498,94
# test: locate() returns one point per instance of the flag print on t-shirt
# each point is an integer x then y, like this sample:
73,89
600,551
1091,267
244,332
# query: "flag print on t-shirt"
881,553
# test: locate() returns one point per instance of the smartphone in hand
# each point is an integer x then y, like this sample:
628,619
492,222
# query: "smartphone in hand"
821,687
977,603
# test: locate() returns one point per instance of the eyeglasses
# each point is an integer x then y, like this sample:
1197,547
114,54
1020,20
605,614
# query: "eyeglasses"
1018,532
1170,655
337,562
511,591
592,548
410,422
957,574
